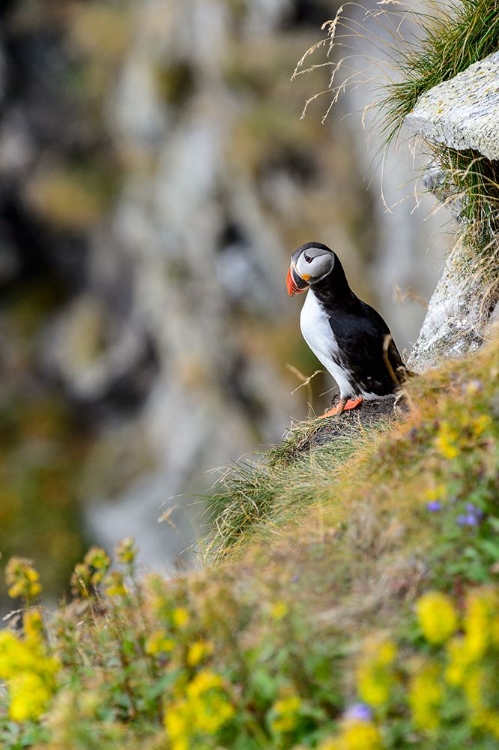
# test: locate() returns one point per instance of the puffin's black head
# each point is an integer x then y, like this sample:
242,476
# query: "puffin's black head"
309,264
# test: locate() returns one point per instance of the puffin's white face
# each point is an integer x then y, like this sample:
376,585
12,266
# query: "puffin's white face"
308,265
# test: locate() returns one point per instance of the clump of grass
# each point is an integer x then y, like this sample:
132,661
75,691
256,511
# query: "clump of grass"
370,493
471,184
452,36
269,493
423,49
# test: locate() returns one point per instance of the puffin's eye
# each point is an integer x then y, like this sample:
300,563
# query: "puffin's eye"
308,259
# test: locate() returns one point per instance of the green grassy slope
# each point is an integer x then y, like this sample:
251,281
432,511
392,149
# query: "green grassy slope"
353,604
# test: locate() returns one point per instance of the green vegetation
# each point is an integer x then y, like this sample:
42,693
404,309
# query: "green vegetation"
453,36
354,604
264,496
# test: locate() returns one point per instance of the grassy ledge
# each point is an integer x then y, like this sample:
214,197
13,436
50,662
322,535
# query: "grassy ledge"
356,607
257,499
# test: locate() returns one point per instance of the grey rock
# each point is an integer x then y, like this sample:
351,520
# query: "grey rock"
462,113
454,324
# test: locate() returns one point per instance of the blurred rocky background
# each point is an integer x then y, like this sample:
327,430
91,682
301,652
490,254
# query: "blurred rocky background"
155,176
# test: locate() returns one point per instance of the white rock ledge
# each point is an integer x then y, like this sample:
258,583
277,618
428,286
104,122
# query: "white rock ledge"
462,113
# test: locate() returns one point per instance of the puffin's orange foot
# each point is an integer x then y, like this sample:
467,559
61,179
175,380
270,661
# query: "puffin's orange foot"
353,403
343,405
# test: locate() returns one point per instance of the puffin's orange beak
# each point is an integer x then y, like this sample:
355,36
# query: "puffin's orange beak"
294,282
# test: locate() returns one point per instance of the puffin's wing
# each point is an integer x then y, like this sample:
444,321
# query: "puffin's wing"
360,333
400,370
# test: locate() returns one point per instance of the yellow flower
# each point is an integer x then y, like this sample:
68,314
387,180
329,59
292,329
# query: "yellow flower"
180,617
480,424
480,691
481,622
33,626
159,643
29,696
97,558
361,735
22,579
203,709
474,688
490,722
28,671
213,712
355,735
459,660
446,441
374,673
126,551
437,492
98,563
278,611
426,695
286,713
198,651
481,627
203,682
437,616
114,584
178,724
8,646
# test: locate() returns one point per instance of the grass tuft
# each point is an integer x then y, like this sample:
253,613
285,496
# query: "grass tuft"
261,497
452,36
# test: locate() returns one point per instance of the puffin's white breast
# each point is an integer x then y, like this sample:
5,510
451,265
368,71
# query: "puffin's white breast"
317,332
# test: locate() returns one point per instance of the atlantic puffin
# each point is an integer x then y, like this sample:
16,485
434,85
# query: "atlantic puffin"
347,336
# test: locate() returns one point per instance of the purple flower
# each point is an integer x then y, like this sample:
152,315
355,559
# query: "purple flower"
472,517
468,519
478,512
434,506
358,712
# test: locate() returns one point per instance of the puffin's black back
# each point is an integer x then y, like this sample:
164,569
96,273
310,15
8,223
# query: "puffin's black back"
360,334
